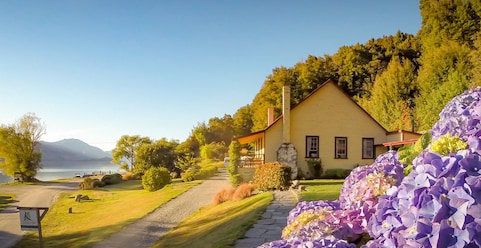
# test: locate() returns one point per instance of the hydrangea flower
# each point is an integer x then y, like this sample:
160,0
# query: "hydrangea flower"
358,188
347,217
434,205
438,204
304,218
328,242
460,116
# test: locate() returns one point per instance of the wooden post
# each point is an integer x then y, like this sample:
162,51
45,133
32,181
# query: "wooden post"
27,222
40,237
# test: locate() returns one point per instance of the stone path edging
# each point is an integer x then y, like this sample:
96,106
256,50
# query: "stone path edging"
273,220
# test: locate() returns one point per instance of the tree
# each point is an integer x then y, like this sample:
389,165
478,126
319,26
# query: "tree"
158,154
127,148
476,61
242,121
190,145
186,161
20,147
390,100
220,130
214,150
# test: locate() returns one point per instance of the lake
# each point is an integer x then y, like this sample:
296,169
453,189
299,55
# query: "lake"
52,170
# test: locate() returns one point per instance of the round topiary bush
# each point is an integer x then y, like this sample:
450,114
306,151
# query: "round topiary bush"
112,179
155,178
189,175
86,184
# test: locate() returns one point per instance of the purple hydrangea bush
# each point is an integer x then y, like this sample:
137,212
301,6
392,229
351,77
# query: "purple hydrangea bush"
344,220
438,204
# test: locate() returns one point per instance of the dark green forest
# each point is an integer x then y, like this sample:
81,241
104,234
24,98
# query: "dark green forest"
400,79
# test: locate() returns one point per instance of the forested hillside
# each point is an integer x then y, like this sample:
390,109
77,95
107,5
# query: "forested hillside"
401,79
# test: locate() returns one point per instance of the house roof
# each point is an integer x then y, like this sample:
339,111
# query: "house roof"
402,131
250,137
329,81
402,142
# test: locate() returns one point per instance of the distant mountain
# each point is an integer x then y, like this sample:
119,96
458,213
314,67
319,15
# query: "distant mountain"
72,150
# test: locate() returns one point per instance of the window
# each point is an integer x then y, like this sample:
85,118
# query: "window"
312,146
367,147
341,147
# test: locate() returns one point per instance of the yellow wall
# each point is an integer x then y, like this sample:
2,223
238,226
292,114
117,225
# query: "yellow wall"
327,113
273,140
401,135
409,135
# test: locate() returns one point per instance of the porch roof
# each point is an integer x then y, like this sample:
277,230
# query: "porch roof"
250,137
402,142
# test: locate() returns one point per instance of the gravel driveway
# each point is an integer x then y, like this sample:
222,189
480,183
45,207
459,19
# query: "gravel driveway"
146,231
142,233
26,196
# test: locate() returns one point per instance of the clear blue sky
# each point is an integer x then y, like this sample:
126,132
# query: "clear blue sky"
96,70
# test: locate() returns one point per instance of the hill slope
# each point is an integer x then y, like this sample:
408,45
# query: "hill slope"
72,150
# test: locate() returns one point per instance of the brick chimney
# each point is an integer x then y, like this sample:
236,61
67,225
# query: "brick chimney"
286,114
270,116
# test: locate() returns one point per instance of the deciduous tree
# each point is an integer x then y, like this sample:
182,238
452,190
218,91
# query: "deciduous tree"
391,97
127,148
157,154
20,147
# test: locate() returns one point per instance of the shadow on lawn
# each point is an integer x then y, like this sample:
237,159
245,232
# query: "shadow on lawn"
77,239
322,182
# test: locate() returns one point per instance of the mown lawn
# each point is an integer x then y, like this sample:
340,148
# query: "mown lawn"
109,210
321,189
217,226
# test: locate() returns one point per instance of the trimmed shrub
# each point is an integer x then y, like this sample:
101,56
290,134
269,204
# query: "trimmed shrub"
272,176
189,175
155,178
336,173
223,195
243,191
97,183
86,184
199,172
207,171
112,179
131,176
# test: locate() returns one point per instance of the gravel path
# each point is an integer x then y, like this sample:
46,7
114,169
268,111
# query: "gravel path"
146,231
42,195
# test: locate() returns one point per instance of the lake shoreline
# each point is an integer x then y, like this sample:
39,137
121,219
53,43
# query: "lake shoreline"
55,170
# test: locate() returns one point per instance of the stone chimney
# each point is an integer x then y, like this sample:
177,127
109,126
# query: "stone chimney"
286,114
270,116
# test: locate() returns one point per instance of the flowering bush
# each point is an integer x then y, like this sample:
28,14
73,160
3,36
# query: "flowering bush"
438,204
343,220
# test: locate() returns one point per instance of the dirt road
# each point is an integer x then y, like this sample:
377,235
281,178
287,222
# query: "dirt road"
42,195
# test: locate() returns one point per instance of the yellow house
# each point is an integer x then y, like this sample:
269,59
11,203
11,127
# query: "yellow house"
326,125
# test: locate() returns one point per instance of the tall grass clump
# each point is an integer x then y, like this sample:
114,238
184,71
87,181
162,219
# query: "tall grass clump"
236,194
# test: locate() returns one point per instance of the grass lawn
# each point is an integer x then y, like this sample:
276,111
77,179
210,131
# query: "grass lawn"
5,199
217,226
321,189
109,210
